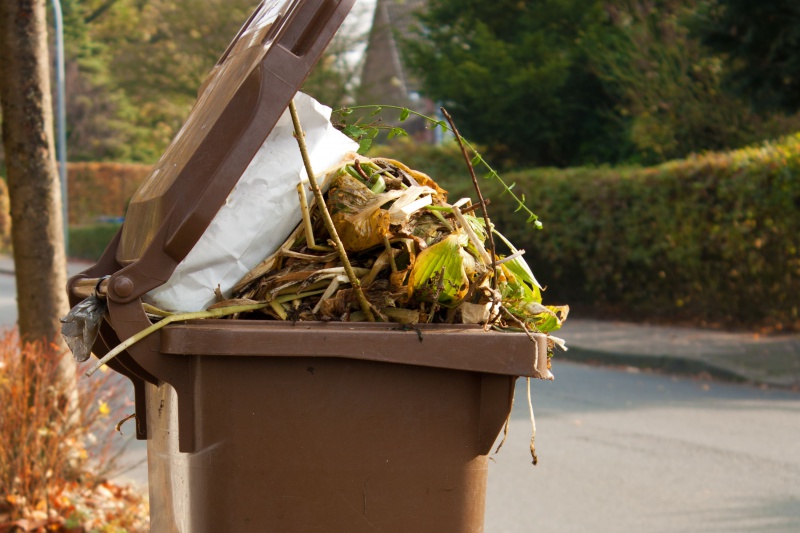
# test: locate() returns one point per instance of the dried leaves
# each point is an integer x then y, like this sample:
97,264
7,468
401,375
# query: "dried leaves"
417,257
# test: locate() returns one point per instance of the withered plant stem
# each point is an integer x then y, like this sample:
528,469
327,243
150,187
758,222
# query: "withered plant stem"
361,172
478,191
473,207
519,322
310,242
437,294
299,134
390,252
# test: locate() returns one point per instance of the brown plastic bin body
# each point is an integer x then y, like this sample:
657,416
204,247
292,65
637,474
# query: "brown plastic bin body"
297,442
271,426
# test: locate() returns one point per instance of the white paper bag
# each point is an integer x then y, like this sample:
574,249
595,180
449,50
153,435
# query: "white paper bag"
260,212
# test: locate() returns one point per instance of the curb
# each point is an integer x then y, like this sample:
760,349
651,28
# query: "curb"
671,364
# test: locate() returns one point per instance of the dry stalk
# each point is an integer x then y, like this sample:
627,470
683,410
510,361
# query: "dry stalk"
390,251
533,425
178,317
482,202
299,134
304,209
508,422
473,207
437,294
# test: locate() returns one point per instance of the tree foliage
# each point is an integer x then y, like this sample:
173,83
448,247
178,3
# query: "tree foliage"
762,40
565,82
134,68
513,74
667,86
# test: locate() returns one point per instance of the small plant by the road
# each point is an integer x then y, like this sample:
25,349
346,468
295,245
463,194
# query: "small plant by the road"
55,451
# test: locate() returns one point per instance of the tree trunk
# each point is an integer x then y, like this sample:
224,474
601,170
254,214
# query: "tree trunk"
34,191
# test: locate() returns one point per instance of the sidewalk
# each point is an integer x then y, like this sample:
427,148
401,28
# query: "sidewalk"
772,360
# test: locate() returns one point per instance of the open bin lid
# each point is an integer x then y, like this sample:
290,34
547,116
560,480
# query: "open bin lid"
239,104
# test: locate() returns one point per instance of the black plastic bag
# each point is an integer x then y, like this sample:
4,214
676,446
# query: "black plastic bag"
82,324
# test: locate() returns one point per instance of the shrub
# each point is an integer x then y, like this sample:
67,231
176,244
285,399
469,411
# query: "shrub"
89,242
101,189
713,238
55,453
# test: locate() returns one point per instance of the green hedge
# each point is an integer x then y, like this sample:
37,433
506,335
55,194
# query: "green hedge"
711,239
89,242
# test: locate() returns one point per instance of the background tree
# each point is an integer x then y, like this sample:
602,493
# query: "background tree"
762,42
513,74
669,88
34,191
135,66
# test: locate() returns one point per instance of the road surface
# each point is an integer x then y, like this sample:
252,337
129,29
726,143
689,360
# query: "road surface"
633,452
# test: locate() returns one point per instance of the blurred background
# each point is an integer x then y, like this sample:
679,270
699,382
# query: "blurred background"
655,139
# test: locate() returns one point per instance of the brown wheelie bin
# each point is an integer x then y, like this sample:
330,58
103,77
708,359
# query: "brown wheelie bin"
272,426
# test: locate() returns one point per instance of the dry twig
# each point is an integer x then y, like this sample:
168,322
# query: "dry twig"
482,202
326,217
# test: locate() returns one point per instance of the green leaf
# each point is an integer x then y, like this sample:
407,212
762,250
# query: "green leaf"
397,132
354,132
428,267
378,110
490,175
372,133
477,160
380,185
508,189
552,319
345,111
404,114
443,125
518,266
364,145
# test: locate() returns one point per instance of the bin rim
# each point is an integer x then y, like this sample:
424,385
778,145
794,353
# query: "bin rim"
447,346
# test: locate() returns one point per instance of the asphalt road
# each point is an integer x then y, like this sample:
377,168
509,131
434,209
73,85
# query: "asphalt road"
8,300
624,451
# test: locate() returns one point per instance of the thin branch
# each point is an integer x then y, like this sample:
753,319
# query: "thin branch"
473,207
492,248
326,216
304,210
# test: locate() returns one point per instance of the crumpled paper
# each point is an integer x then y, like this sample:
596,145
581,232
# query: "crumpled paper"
260,212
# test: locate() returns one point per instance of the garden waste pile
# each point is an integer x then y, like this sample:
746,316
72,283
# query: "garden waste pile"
417,258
